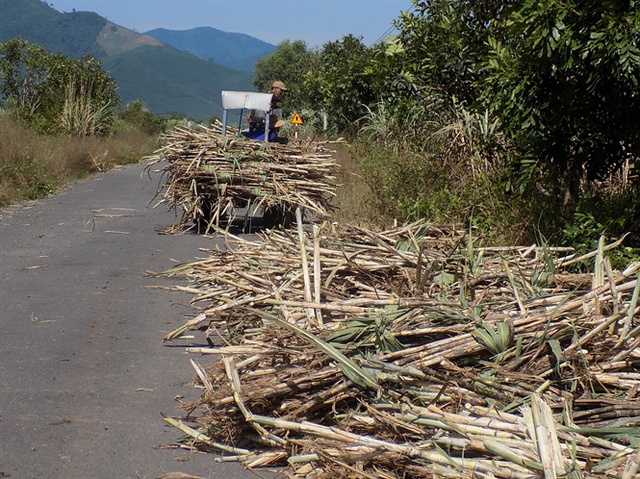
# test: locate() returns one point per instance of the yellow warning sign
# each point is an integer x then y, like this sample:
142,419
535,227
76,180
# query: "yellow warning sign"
297,119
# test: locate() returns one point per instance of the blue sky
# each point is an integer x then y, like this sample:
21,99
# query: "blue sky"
314,21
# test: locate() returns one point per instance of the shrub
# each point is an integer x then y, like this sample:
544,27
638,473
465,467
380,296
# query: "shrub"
49,92
34,165
137,116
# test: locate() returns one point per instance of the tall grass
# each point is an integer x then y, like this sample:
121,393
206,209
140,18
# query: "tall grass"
81,115
445,167
450,165
33,165
446,170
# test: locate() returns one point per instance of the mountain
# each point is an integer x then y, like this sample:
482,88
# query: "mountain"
73,34
168,80
174,82
234,50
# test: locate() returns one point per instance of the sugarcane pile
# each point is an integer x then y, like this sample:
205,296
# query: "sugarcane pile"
344,352
210,177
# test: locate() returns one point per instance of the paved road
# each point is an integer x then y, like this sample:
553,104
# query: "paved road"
84,375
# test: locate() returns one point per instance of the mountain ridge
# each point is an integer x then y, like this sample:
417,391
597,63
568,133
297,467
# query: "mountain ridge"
168,80
235,50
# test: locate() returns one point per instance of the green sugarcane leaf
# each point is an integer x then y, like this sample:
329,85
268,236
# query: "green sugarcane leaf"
557,352
486,339
354,372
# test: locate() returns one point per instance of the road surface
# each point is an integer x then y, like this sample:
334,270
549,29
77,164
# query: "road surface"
84,375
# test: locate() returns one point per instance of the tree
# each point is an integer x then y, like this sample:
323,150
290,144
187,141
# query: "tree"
562,78
24,69
445,42
342,84
565,83
289,63
340,80
45,89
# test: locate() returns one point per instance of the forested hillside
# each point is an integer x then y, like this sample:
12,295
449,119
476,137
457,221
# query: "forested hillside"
177,82
234,50
142,66
73,34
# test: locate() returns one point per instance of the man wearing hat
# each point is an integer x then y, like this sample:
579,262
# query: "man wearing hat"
275,119
256,118
277,88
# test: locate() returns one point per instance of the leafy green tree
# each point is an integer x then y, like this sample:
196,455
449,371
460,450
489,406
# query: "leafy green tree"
561,77
44,88
340,80
565,83
24,69
432,69
290,63
444,42
343,83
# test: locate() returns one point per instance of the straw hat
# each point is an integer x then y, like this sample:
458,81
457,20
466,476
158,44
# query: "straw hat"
279,84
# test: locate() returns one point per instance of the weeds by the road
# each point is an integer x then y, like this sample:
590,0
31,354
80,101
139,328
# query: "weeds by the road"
33,165
355,202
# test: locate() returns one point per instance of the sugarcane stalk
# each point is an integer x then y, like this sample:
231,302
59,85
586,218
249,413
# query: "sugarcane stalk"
630,313
633,467
198,436
407,450
305,269
511,455
234,381
317,272
543,429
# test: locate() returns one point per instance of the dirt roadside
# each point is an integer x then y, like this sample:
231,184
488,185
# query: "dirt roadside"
84,375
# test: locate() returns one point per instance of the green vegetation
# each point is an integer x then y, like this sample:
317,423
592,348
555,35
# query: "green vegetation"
59,122
137,117
34,165
52,93
291,62
519,118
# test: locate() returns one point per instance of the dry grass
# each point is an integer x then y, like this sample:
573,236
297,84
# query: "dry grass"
355,201
33,166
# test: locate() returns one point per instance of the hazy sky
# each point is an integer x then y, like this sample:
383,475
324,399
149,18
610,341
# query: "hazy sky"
314,21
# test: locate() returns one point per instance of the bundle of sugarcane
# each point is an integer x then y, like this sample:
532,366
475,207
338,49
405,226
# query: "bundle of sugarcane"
412,352
343,271
209,176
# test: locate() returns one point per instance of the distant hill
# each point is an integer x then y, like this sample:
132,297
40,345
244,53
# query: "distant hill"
168,80
234,50
73,34
174,82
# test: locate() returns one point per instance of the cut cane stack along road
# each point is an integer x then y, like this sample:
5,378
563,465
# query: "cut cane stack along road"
337,351
209,178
